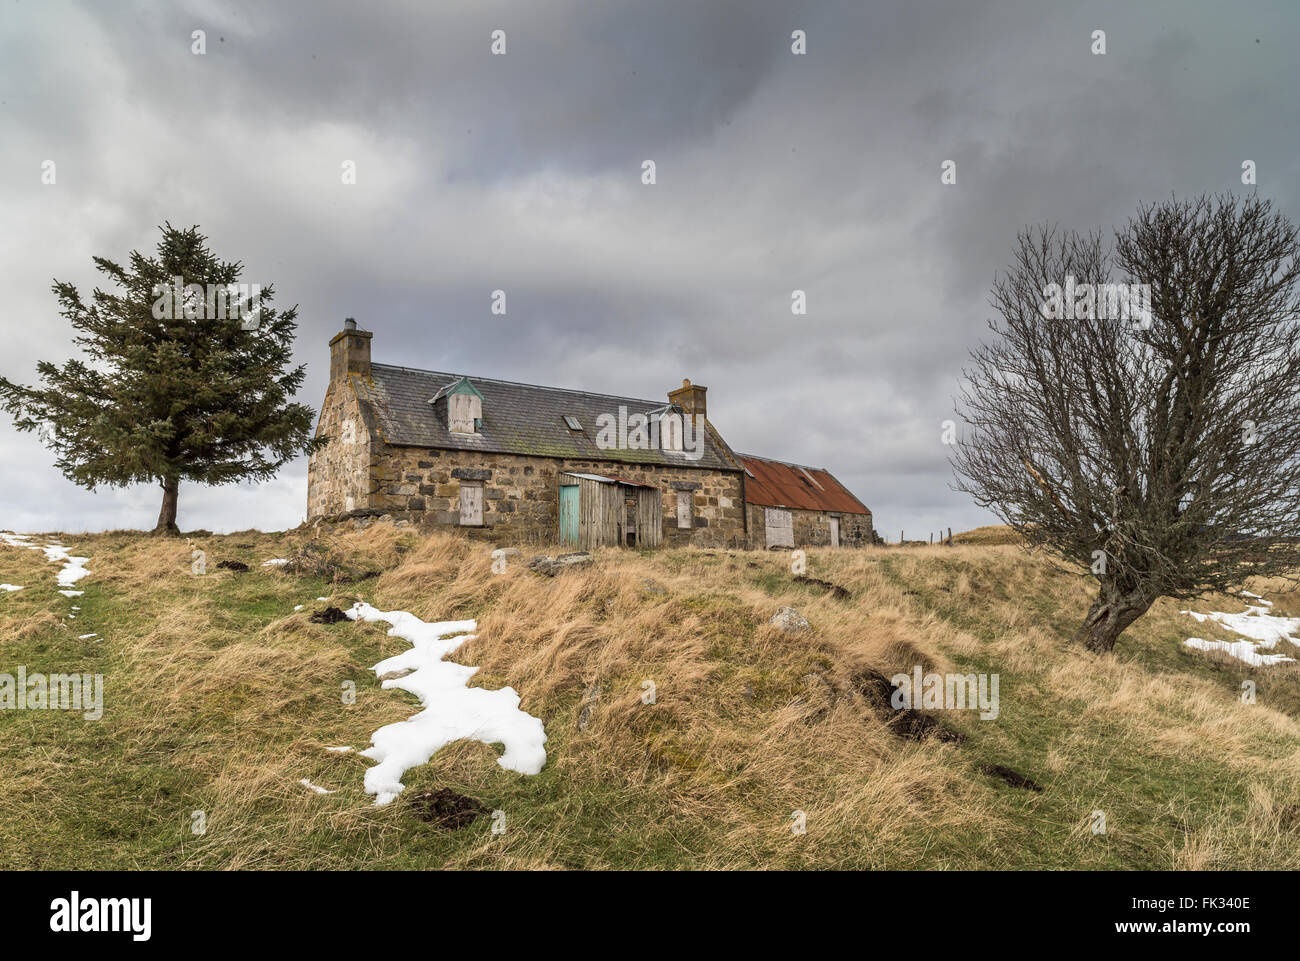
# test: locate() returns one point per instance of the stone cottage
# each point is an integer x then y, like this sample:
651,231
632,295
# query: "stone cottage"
792,506
520,462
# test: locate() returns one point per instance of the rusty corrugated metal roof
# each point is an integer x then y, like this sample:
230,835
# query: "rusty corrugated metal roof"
774,483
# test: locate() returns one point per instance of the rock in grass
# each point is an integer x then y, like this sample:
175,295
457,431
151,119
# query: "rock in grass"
790,622
550,566
588,701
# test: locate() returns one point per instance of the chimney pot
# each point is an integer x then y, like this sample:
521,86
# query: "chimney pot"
350,323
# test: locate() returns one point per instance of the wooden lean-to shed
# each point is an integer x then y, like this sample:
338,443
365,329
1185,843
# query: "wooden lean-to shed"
601,511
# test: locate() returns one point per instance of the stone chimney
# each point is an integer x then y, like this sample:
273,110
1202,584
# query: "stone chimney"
690,398
350,352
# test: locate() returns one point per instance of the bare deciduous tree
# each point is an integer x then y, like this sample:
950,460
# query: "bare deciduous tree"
1158,448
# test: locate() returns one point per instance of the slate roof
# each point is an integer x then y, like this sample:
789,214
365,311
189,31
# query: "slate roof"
517,419
777,484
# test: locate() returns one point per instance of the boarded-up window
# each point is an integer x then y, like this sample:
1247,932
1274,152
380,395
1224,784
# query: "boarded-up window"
463,412
471,502
670,431
685,510
780,527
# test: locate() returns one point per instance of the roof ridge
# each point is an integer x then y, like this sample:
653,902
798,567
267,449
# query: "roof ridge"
783,463
519,383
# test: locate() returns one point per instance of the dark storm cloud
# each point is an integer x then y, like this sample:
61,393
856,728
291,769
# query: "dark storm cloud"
522,173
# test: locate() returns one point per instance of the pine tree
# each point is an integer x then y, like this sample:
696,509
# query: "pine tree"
179,381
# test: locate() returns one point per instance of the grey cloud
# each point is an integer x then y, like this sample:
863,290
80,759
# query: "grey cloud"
522,173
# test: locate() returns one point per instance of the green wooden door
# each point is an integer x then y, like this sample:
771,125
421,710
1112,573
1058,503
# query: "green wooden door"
569,515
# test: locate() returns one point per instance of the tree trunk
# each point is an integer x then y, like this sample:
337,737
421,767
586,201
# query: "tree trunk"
1111,613
167,516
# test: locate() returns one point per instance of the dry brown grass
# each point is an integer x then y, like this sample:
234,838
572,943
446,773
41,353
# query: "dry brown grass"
989,535
226,698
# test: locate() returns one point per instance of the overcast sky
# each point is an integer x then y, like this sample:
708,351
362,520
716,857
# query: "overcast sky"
523,172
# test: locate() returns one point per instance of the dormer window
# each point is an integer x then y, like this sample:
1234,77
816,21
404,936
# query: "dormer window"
670,430
464,407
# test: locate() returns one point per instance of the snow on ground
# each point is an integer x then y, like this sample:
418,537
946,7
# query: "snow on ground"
1247,651
11,587
1255,622
340,750
74,568
452,710
275,562
314,787
86,637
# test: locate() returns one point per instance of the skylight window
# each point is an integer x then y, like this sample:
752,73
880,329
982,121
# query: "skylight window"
571,422
811,480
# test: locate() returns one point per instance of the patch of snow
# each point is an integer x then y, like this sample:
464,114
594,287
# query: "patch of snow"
72,593
1255,622
1242,650
275,562
86,637
11,587
314,787
341,750
322,598
298,607
74,568
451,709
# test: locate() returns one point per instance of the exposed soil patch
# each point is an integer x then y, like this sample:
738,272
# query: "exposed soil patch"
331,615
839,593
239,567
906,723
1014,778
446,809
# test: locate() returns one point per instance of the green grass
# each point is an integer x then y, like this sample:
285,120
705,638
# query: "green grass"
218,698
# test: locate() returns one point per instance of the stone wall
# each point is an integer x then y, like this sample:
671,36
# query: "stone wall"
521,493
812,528
338,475
358,473
717,509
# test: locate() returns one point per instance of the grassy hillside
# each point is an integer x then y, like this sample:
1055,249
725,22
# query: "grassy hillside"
220,698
